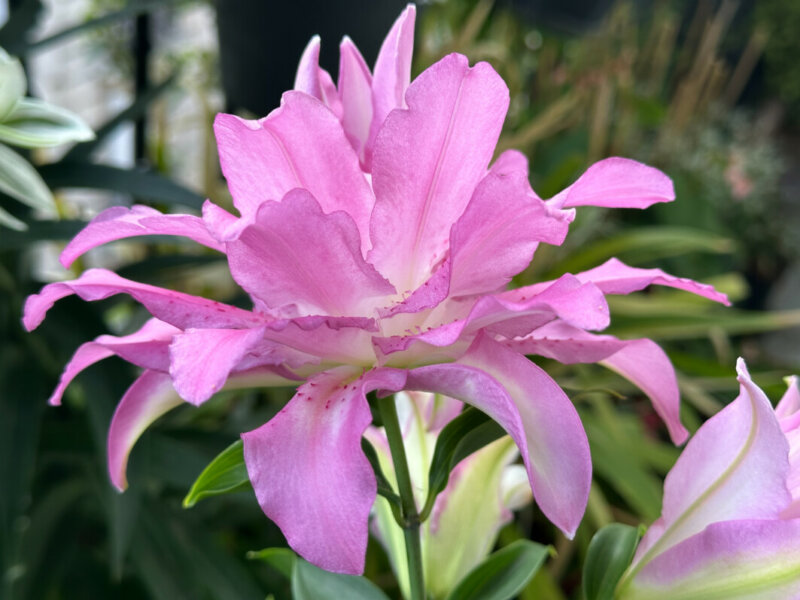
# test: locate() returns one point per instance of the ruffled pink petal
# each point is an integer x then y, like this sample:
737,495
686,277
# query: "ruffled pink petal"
307,77
146,348
581,305
118,222
566,344
735,467
640,361
535,412
428,295
309,472
426,163
499,231
178,309
296,254
355,90
299,145
150,396
85,356
746,560
644,363
202,359
789,404
316,81
617,183
220,223
615,277
392,72
793,479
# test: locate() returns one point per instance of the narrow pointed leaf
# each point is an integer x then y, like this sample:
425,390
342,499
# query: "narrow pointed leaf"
144,185
223,475
35,124
384,487
282,559
467,433
312,583
20,180
609,554
504,574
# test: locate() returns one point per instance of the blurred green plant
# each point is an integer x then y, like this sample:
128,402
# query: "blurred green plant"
29,123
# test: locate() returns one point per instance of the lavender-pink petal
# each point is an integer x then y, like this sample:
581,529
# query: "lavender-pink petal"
119,222
309,472
535,412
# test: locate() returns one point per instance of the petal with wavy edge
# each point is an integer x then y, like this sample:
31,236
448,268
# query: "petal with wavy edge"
176,308
499,231
150,396
615,277
355,90
307,77
295,254
309,472
301,144
145,348
748,560
582,305
426,163
202,359
392,72
220,223
644,363
316,81
640,361
734,467
119,222
617,183
535,412
790,402
566,344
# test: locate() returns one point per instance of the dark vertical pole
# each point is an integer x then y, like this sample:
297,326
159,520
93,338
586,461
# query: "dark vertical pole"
141,50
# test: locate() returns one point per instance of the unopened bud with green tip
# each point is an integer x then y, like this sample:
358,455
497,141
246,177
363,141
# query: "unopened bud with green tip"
12,83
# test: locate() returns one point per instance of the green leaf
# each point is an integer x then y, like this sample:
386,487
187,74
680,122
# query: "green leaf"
144,185
643,245
223,475
34,123
12,83
467,433
20,180
10,221
384,487
312,583
39,230
282,559
504,574
610,552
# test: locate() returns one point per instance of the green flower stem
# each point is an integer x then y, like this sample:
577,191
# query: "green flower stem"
411,518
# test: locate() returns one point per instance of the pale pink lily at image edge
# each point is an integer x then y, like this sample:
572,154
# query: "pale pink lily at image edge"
376,241
729,526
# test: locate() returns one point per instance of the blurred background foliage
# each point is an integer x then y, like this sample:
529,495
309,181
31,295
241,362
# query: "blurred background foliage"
707,91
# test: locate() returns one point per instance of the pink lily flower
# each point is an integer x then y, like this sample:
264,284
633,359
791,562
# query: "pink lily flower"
384,280
728,527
